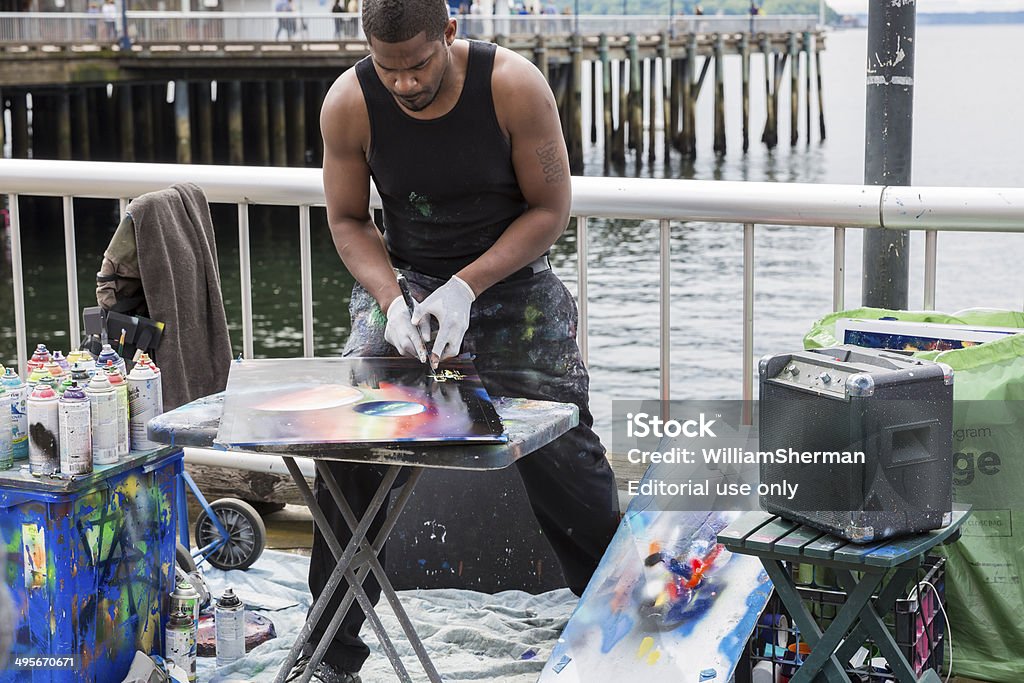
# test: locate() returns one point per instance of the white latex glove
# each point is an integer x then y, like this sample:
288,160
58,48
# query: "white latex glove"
401,333
450,304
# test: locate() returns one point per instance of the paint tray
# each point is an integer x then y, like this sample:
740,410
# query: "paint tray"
354,402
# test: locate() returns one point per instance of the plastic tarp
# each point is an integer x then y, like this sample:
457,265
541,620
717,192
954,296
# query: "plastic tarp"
985,568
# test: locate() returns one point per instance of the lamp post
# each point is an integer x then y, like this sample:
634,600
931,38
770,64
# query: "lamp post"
576,17
671,13
125,42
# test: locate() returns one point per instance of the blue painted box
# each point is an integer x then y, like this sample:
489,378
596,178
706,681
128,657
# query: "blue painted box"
89,563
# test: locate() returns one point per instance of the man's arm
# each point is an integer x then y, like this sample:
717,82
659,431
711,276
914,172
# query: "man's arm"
526,111
345,126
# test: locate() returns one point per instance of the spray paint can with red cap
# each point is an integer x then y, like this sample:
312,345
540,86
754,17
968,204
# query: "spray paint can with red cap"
44,431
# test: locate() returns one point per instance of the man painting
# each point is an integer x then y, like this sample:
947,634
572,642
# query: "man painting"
463,141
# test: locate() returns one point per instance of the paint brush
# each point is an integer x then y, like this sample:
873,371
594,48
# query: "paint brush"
120,343
403,285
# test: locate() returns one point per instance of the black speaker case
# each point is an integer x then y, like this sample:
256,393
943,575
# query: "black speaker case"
896,409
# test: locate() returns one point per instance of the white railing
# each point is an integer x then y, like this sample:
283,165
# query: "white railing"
930,209
214,28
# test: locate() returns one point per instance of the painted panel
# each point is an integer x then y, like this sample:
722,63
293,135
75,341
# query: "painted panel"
355,401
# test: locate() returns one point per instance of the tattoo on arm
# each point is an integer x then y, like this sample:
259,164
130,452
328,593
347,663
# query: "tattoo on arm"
551,163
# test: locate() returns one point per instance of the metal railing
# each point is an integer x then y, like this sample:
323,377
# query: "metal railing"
150,28
746,204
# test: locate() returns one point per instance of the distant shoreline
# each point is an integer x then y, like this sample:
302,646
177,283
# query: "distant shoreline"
957,18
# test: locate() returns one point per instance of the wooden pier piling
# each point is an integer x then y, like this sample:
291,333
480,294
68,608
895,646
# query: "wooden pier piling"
794,90
182,123
278,134
745,77
236,155
719,144
204,121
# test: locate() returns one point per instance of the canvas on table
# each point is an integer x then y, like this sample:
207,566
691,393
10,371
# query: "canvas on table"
355,401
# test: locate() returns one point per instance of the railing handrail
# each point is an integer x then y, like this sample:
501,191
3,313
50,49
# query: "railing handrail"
747,204
986,209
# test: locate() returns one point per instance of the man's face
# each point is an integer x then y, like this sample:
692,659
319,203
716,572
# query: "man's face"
412,70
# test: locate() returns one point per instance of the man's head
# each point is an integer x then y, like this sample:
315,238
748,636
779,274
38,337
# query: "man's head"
395,21
410,43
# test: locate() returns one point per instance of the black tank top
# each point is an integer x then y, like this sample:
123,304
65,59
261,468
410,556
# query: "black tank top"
447,184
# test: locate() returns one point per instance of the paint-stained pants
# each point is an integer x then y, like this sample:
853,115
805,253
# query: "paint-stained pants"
523,336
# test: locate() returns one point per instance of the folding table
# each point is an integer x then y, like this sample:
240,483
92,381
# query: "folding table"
873,575
529,425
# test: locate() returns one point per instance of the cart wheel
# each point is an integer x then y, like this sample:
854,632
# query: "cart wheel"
183,558
247,534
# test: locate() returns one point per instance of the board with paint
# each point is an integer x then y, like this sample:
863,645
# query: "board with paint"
355,401
667,603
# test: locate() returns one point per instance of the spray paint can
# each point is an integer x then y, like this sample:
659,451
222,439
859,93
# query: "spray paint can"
103,409
146,360
75,432
229,623
81,371
185,598
142,406
80,355
40,357
180,642
109,354
37,375
56,372
19,412
44,431
120,384
6,434
60,360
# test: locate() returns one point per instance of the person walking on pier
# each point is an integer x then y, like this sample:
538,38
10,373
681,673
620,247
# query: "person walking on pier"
339,23
109,11
469,223
285,20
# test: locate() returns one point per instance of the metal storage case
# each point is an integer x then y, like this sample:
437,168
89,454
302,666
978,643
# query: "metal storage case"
895,409
89,563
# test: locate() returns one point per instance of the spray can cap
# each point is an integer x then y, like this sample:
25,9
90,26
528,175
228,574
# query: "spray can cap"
99,382
185,587
41,355
74,393
229,599
43,392
10,377
180,618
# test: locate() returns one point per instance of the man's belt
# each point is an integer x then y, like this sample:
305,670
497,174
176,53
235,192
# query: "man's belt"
539,265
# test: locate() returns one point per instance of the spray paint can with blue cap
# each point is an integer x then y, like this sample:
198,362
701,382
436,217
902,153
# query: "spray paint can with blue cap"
19,412
107,353
75,432
103,412
44,431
